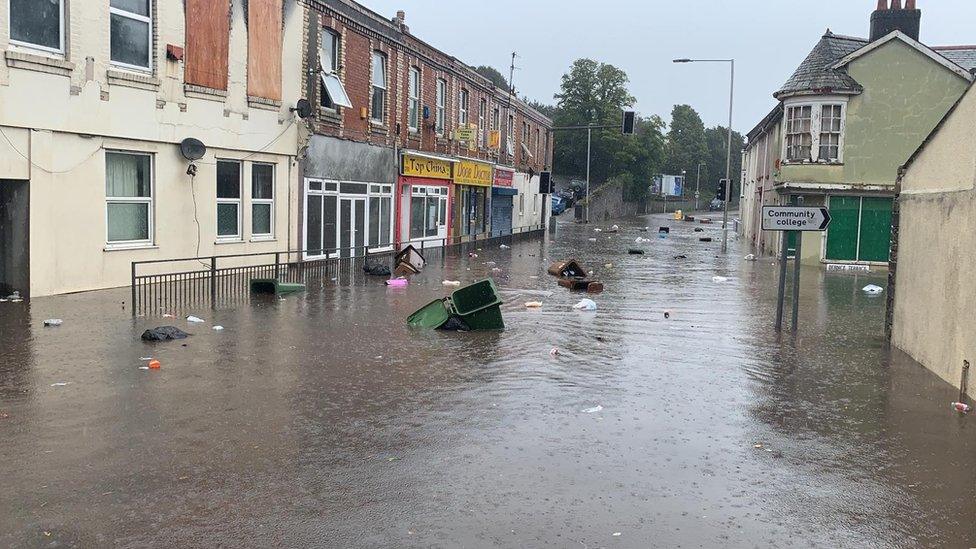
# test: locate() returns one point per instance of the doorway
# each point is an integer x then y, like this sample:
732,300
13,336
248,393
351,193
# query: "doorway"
352,226
14,237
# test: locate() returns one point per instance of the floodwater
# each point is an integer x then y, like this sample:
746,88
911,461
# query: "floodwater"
323,421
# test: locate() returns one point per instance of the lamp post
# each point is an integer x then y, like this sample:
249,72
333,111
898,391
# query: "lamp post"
698,185
728,156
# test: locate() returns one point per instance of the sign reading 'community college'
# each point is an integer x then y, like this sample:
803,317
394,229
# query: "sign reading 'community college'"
791,218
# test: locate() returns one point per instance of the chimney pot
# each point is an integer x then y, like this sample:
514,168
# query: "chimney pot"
896,4
910,5
402,16
882,5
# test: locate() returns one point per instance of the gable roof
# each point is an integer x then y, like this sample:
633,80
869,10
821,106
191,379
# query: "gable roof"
932,54
815,74
964,56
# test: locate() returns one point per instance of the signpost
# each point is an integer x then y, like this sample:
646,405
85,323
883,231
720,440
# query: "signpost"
796,220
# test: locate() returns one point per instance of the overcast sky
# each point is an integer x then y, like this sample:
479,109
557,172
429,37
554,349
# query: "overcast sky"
768,39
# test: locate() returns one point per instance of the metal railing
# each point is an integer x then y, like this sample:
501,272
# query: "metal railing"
171,285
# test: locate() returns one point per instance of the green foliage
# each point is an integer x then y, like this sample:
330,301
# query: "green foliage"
686,141
714,169
496,77
596,93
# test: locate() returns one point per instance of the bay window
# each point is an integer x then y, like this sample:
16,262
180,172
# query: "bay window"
228,200
262,200
131,33
814,132
38,25
378,110
128,198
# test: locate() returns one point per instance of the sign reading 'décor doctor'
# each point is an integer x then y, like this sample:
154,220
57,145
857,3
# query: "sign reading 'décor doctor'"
792,218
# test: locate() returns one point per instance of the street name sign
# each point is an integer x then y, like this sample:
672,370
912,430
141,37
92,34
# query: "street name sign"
792,218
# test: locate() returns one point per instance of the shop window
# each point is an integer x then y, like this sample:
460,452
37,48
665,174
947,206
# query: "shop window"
441,106
860,229
38,25
428,212
262,200
333,93
228,200
207,43
378,105
131,33
413,101
128,197
380,221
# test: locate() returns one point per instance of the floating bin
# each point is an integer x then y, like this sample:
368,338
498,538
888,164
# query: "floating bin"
665,230
568,268
594,288
689,218
432,316
479,306
273,287
410,259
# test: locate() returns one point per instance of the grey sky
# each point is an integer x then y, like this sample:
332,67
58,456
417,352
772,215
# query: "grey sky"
768,38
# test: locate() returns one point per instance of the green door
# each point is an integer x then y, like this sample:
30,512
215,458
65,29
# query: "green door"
842,234
875,229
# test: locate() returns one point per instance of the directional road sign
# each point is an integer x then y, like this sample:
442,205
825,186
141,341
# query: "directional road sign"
792,218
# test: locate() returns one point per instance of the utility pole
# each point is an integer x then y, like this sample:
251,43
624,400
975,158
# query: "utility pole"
589,144
508,113
698,185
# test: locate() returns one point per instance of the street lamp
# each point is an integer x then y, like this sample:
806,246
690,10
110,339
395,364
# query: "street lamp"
698,185
728,157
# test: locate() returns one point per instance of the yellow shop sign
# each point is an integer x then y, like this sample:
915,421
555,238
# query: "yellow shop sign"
473,173
419,166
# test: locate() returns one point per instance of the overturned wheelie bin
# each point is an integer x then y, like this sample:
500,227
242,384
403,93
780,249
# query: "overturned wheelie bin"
474,307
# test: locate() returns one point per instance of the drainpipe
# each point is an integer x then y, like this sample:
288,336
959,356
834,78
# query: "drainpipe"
893,259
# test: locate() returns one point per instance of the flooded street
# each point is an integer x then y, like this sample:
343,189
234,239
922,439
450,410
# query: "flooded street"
323,420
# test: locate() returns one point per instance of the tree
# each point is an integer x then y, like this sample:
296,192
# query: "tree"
496,77
544,109
714,169
686,144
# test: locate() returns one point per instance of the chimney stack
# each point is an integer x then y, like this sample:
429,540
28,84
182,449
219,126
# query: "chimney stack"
400,21
887,19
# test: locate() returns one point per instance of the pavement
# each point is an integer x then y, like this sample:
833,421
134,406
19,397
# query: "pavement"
324,421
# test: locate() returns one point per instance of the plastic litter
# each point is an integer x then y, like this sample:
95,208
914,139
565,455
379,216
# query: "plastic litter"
608,266
613,229
592,240
194,320
681,257
218,328
61,384
873,289
593,410
398,282
451,283
641,240
155,364
962,407
143,367
53,322
164,333
505,247
598,230
496,270
750,257
667,314
585,305
472,255
554,353
534,304
374,268
719,279
490,263
705,239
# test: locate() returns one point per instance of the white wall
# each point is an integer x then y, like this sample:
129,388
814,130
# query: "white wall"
528,206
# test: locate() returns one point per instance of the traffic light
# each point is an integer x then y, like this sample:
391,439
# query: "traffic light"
629,122
721,191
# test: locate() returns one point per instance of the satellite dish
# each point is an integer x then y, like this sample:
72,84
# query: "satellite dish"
192,149
303,108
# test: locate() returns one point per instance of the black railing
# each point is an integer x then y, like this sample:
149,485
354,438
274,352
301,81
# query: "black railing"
171,285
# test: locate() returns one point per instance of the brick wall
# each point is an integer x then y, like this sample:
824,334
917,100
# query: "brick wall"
359,40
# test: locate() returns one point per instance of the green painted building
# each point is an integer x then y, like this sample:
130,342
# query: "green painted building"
848,118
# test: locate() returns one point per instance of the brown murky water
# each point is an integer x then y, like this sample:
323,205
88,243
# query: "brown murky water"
322,420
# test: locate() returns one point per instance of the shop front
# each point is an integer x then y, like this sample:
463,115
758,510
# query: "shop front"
347,206
502,194
424,191
472,182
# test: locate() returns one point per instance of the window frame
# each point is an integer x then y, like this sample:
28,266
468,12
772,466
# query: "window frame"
441,105
262,201
816,130
150,200
464,97
482,116
61,50
332,72
839,132
236,201
414,85
142,19
378,55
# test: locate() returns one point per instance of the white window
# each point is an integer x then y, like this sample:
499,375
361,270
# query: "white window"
463,107
379,88
38,25
510,142
521,203
228,200
262,200
830,131
815,132
333,92
131,22
441,106
413,106
482,117
128,198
